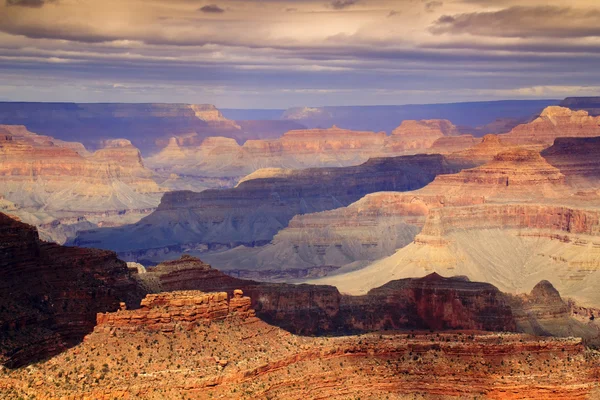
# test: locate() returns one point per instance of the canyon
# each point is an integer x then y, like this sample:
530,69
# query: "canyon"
502,232
202,333
254,211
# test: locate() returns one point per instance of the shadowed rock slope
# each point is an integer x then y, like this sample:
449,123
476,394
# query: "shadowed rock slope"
253,212
50,294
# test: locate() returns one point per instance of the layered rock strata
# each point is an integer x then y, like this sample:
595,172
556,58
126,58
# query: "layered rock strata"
166,312
50,294
251,359
333,147
52,182
552,123
143,124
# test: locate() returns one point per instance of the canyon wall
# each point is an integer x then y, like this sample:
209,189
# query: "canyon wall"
50,294
60,185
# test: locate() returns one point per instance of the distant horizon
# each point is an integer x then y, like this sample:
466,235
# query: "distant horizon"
301,106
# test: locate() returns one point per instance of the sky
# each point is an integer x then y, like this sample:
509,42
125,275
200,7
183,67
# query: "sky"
280,54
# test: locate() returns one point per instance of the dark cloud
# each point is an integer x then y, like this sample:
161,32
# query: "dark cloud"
212,8
392,13
28,3
430,6
341,4
520,21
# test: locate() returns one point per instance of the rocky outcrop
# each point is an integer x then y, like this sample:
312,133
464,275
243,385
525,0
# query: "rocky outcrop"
552,123
481,152
432,302
177,310
253,212
507,176
419,135
50,294
231,359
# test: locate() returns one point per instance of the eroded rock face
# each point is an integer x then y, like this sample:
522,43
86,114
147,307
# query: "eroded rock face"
53,183
552,123
232,359
50,294
509,175
253,212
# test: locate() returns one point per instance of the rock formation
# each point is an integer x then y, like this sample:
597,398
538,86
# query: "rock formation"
481,152
51,181
348,238
419,135
253,212
333,147
50,294
166,312
512,222
451,144
432,302
552,123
